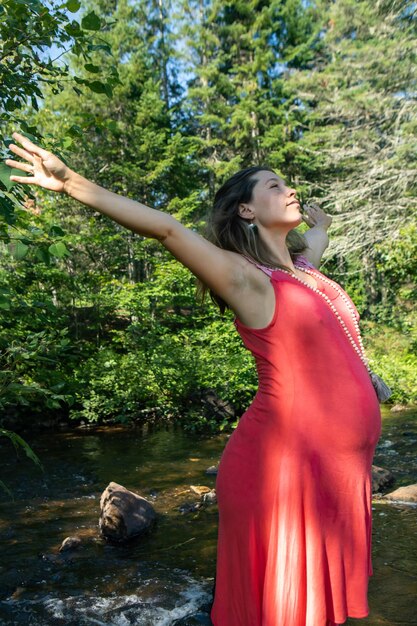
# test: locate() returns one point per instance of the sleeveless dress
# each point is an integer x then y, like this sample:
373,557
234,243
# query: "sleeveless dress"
294,486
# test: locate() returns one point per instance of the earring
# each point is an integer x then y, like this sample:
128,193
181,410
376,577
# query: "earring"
253,227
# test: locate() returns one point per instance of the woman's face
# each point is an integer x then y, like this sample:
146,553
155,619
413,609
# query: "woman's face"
273,204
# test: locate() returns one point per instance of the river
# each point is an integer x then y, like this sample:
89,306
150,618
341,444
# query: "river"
166,577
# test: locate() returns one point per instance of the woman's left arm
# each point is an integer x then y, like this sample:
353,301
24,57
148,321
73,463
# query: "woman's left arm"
317,237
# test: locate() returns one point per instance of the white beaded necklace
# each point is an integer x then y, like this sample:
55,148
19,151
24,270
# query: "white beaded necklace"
360,350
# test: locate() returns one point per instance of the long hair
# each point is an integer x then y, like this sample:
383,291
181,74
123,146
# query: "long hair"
228,230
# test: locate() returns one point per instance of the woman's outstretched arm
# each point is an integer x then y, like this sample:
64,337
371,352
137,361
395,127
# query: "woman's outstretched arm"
223,271
51,173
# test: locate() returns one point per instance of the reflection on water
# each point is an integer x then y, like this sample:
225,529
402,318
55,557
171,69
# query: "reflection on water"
165,577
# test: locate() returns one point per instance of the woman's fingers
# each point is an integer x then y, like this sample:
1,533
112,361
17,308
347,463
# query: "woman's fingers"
23,179
22,153
18,165
29,145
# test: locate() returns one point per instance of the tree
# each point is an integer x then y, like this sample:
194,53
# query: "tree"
359,96
28,30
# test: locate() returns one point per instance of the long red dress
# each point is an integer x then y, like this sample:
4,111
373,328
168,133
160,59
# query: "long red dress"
294,480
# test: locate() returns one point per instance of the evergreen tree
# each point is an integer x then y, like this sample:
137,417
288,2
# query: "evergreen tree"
359,96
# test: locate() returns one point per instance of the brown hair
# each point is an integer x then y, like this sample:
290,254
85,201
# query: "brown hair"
228,230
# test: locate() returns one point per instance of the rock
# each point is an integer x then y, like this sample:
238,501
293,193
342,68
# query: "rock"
199,489
403,494
18,592
207,496
124,514
70,543
210,497
190,507
211,404
398,407
211,470
381,479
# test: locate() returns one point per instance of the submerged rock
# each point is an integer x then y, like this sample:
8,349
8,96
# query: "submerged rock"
124,514
381,479
190,507
408,493
70,543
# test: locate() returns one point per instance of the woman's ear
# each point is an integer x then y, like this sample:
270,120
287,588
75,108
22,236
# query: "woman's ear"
246,212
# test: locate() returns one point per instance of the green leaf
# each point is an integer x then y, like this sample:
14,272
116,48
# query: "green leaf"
95,69
75,131
108,90
4,302
67,142
7,210
97,86
56,231
6,172
100,46
42,255
58,249
91,22
73,29
18,441
73,6
6,489
18,249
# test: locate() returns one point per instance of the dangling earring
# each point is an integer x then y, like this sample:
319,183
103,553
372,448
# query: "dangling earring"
253,227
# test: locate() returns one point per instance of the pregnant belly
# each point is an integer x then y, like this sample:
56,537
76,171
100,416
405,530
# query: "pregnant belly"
345,415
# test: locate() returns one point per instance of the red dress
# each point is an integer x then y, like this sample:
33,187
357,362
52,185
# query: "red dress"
294,480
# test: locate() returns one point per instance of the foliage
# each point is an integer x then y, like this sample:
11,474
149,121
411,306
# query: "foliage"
18,442
100,323
28,31
359,97
393,355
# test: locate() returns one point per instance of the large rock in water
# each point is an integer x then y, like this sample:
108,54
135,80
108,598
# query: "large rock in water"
124,514
381,479
403,494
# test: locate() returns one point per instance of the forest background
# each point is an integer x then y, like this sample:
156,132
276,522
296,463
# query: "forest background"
161,101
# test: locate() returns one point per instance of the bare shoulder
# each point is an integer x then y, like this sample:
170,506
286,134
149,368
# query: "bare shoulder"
227,273
246,289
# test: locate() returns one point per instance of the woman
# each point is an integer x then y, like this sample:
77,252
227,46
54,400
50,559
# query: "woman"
294,480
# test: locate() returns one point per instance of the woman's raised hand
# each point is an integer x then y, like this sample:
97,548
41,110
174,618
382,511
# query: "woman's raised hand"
47,170
315,216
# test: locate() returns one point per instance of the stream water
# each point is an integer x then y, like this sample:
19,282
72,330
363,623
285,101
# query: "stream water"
166,577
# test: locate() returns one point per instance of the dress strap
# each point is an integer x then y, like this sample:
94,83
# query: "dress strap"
302,261
266,270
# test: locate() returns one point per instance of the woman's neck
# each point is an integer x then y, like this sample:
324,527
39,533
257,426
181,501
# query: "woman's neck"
276,242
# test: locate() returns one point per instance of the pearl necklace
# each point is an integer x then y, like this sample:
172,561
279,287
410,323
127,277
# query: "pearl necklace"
359,349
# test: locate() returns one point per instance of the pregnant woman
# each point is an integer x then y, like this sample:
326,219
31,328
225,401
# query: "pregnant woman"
294,480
